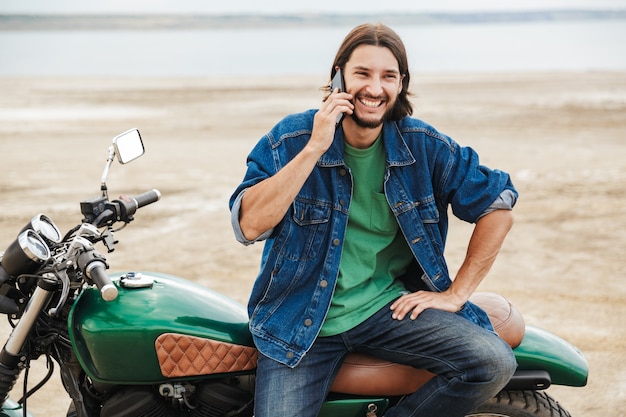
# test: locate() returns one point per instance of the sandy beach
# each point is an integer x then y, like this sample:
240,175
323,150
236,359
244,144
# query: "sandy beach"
560,135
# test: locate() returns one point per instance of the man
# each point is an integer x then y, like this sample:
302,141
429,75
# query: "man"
355,220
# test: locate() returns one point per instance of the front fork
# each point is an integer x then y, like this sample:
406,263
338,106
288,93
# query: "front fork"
12,360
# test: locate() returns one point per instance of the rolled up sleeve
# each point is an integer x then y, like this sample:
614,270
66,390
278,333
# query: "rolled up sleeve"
234,221
505,201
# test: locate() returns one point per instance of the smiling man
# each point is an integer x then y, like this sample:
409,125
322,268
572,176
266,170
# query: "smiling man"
354,217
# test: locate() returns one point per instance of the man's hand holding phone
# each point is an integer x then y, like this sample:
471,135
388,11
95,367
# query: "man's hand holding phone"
337,86
330,115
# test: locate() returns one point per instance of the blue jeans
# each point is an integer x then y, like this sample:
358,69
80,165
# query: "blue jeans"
471,364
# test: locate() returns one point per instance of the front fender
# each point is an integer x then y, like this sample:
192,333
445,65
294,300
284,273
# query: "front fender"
542,350
12,409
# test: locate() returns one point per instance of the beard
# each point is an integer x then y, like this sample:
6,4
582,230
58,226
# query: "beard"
373,123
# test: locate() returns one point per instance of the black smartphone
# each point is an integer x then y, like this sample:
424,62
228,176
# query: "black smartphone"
337,82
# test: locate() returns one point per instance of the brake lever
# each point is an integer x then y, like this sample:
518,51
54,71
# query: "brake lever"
65,280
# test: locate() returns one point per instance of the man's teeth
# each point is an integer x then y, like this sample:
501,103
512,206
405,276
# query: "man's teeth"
370,103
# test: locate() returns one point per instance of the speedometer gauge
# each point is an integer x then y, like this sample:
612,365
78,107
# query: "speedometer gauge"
45,227
26,254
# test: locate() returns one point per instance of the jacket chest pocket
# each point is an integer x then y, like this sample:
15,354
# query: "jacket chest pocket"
308,230
307,213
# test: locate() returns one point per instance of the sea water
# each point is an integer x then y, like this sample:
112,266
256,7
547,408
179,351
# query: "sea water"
437,48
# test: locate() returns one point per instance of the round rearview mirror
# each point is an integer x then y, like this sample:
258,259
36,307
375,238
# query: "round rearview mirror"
128,146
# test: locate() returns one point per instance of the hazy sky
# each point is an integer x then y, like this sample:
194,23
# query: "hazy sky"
290,6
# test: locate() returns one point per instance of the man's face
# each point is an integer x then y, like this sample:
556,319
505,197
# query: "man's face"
373,77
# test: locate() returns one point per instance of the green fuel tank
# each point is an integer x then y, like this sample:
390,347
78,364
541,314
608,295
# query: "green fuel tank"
114,341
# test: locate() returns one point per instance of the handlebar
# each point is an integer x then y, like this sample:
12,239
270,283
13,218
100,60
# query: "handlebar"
100,211
95,268
97,272
146,198
129,205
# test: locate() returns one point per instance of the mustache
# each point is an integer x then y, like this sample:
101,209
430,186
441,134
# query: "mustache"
382,97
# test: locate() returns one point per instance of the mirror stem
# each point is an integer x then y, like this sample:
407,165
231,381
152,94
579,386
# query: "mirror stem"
105,174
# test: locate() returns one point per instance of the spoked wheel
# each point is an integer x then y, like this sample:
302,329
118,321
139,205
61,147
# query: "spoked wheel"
520,404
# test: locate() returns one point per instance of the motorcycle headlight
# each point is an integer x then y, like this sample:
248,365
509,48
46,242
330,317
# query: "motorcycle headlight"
44,227
26,254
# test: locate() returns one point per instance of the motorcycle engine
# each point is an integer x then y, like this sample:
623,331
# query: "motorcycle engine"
223,399
217,398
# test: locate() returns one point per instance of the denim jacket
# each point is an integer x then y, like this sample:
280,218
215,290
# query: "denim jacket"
426,173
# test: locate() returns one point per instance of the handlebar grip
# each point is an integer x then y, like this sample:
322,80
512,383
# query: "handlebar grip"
96,270
146,198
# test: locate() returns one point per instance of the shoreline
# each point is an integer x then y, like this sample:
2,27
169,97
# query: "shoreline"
187,21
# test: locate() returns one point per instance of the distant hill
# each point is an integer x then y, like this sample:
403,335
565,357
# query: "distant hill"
181,22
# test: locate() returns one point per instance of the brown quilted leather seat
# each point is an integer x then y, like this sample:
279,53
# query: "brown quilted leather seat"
365,375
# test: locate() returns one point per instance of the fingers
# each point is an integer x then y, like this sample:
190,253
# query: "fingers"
413,304
408,304
337,103
325,120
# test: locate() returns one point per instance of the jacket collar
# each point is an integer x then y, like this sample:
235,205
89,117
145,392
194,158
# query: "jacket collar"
396,150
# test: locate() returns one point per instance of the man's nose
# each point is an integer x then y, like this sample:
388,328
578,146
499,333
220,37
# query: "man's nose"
375,87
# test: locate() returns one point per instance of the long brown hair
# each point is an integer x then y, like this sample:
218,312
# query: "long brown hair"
378,35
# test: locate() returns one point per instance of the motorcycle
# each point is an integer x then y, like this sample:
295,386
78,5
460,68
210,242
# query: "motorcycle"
140,343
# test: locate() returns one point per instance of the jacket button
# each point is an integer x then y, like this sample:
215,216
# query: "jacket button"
308,322
289,355
342,172
336,242
323,283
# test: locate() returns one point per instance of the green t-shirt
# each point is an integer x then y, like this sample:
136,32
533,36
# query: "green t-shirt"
374,250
